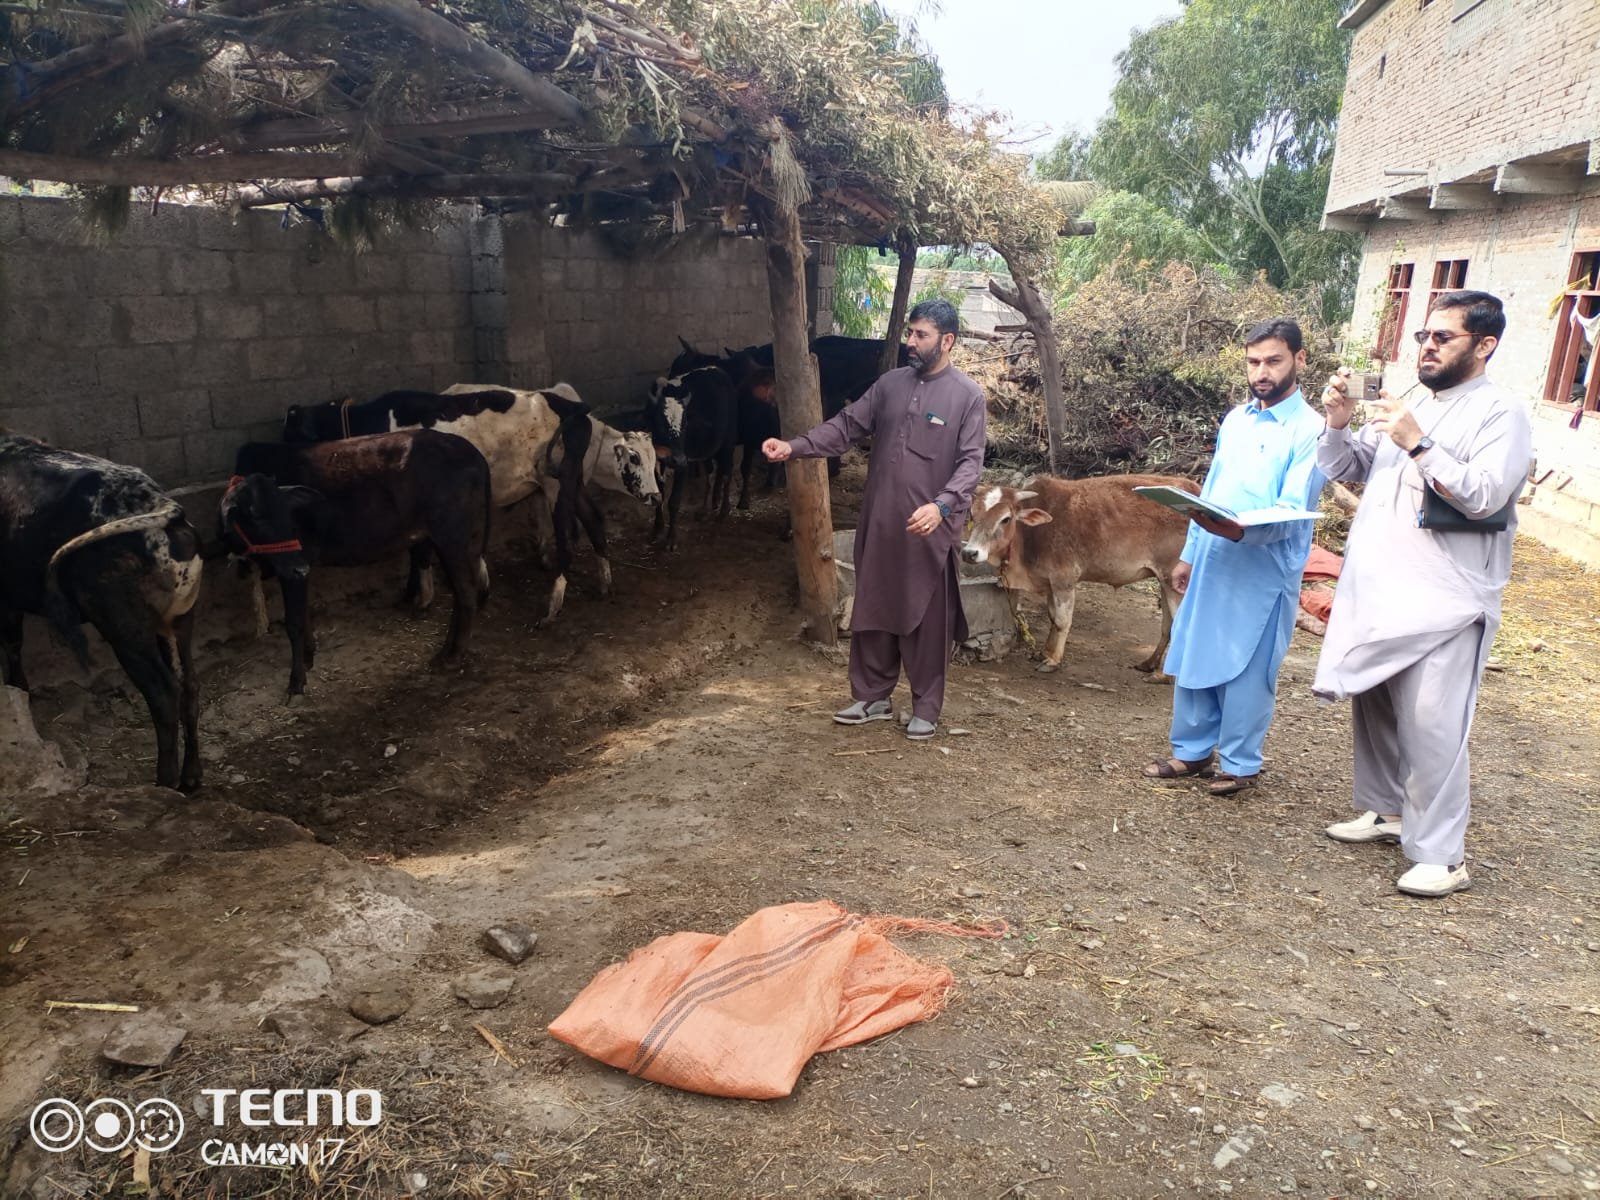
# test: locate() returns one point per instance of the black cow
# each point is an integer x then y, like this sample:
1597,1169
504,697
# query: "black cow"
695,418
846,368
359,501
83,539
757,408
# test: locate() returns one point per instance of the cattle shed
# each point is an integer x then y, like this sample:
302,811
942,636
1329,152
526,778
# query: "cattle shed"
193,329
648,124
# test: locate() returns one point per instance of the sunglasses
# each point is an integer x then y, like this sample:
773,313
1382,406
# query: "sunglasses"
1441,337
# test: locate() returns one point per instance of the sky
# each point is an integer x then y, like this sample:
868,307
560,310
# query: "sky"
1046,62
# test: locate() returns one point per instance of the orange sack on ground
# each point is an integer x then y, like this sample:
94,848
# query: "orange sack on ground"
740,1015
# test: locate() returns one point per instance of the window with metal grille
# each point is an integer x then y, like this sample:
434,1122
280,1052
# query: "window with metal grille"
1449,275
1395,298
1573,380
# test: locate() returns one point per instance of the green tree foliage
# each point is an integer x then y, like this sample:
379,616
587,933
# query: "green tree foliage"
860,293
1134,237
1225,117
1068,159
956,258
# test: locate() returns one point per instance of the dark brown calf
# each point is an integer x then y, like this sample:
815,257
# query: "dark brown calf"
356,502
1057,533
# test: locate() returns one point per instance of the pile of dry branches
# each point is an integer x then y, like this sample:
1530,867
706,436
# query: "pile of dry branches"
1149,371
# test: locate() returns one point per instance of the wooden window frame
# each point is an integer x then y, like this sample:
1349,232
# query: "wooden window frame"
1449,275
1564,353
1397,295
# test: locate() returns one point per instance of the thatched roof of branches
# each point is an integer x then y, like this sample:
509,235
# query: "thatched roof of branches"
663,111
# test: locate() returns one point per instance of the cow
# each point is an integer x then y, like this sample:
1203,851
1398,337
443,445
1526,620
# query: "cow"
757,408
695,418
542,443
84,539
1057,533
846,368
355,502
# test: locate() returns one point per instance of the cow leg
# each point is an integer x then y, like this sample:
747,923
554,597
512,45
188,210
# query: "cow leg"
11,649
747,462
594,524
144,655
671,517
724,477
188,702
419,581
461,573
296,623
1170,599
1062,598
564,518
540,508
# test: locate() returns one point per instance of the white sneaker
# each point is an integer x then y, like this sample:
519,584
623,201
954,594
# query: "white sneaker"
1425,879
861,712
1368,827
919,730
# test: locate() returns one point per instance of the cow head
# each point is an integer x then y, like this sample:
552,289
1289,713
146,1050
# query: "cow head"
263,521
631,459
690,359
996,513
668,400
300,422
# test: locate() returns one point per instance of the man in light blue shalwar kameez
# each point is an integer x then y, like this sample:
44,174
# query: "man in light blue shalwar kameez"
1242,585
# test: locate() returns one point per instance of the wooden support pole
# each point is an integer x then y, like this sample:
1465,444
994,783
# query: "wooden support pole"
1027,300
906,245
799,409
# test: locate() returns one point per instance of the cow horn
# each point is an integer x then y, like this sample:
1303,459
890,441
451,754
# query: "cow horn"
688,348
1021,496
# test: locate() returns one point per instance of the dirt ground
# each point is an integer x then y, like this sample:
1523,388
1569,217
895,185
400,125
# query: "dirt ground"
1196,997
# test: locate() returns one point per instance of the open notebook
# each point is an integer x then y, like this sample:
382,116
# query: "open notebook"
1181,501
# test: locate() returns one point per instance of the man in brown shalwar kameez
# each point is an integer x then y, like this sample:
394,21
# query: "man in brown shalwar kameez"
926,422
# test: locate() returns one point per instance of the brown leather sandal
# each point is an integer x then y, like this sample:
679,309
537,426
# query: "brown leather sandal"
1179,768
1227,785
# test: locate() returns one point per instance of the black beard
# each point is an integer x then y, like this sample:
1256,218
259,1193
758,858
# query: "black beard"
1283,389
1436,377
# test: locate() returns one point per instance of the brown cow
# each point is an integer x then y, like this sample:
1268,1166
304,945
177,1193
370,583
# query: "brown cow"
1079,531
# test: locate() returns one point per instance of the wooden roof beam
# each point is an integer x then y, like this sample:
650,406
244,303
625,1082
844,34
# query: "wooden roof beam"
455,121
436,31
154,172
539,183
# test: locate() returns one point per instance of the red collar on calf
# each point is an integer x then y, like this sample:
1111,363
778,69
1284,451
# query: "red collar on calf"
292,546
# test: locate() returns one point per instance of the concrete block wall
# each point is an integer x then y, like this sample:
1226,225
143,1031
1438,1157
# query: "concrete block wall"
189,332
1522,254
577,311
1456,87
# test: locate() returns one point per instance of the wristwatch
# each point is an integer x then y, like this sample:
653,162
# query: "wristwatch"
1421,448
944,508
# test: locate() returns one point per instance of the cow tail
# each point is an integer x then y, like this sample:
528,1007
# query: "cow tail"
483,548
60,609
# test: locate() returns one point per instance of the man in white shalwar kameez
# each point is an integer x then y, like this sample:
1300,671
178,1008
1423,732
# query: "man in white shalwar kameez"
1416,610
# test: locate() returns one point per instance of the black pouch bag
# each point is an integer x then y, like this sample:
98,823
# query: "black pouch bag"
1440,516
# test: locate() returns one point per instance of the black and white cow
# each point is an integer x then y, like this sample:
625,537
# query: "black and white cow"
355,502
83,539
542,443
695,417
